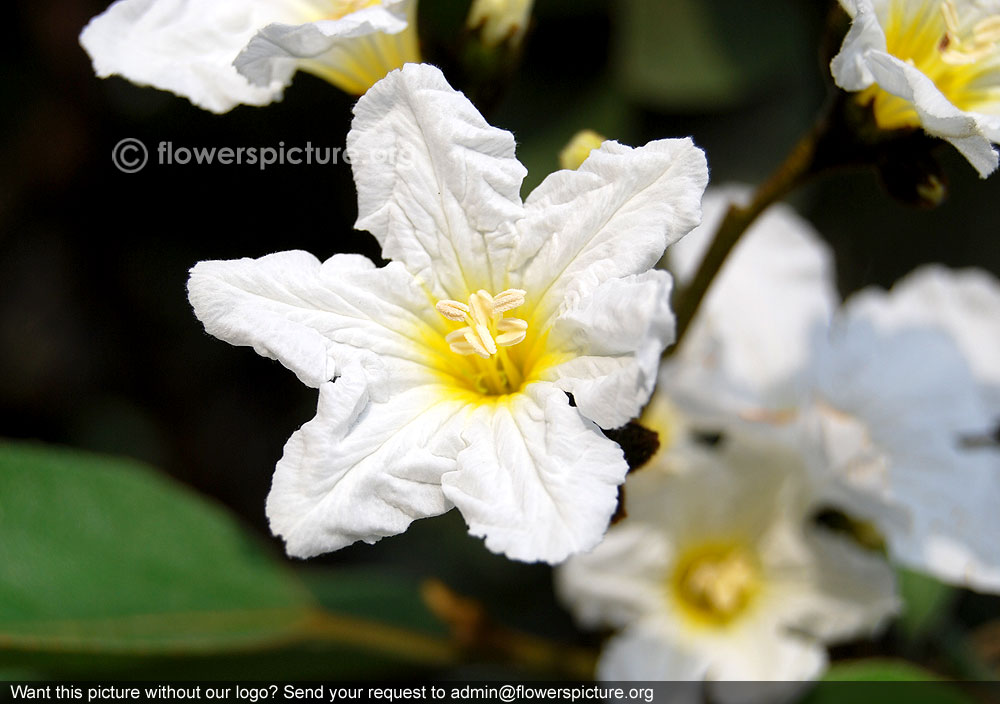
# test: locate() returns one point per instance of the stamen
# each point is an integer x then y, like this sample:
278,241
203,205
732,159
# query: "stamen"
485,328
957,51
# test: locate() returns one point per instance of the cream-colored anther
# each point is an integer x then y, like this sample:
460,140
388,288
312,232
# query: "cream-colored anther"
486,328
955,50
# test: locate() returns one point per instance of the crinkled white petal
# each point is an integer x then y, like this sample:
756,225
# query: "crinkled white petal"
339,49
615,337
850,67
437,185
188,46
362,470
537,480
610,218
316,318
913,394
752,337
964,303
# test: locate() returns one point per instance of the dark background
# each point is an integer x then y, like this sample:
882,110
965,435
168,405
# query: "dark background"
98,346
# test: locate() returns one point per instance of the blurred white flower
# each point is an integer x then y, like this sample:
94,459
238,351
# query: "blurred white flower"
223,53
444,375
903,386
933,64
500,20
880,398
720,574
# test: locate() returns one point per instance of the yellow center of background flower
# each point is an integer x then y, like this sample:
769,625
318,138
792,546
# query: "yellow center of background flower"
959,55
715,583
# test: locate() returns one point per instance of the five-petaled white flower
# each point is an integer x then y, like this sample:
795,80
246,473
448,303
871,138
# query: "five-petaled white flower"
719,573
223,53
933,64
444,375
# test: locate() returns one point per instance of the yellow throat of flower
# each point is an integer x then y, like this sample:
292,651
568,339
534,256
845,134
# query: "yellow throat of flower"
715,583
931,36
483,342
360,62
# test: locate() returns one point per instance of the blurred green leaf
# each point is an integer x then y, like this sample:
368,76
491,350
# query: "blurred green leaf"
878,670
698,54
926,602
105,558
877,681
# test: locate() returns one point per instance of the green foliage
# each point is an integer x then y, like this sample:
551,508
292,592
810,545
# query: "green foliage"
876,681
926,603
107,565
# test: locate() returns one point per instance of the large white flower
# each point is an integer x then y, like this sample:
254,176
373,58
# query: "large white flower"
222,53
719,573
444,375
933,64
880,396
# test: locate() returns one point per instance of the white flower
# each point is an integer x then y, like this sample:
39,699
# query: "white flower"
897,399
443,375
719,573
501,20
880,396
933,64
222,53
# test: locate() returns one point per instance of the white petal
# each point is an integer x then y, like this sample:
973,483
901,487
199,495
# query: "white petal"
915,395
752,337
315,318
352,52
185,46
437,185
610,218
835,590
536,479
640,653
361,470
620,579
764,652
616,337
938,116
849,67
965,303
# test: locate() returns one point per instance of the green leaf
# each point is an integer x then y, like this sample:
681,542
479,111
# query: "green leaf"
926,602
877,681
106,555
878,670
108,567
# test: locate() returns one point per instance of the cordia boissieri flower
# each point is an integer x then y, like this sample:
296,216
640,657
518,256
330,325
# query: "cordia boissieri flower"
223,53
931,64
719,573
443,376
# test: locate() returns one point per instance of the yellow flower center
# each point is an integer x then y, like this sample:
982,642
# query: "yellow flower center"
715,583
484,340
957,56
